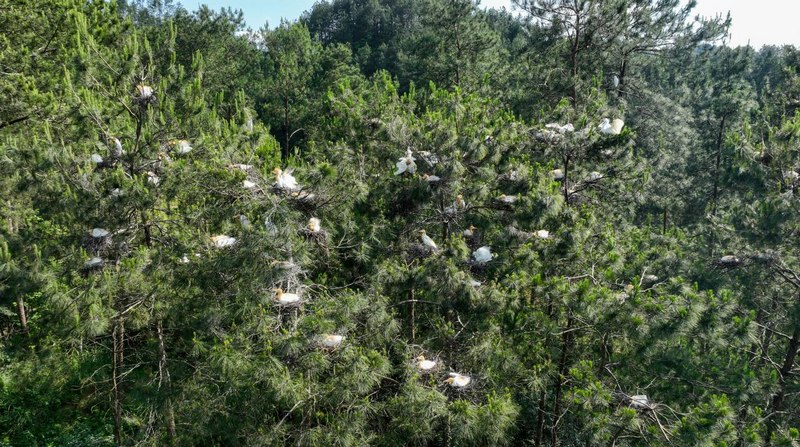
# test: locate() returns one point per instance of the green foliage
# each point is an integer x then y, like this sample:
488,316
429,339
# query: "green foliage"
660,260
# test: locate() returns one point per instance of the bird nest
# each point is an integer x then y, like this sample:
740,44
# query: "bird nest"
418,251
97,245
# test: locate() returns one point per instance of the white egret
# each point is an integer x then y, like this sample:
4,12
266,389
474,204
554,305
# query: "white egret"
97,159
152,178
222,241
144,91
640,401
595,176
117,151
406,164
184,259
99,233
285,180
475,283
427,241
286,299
331,340
314,225
615,81
611,128
558,174
423,364
482,255
430,178
543,234
457,380
183,147
469,231
247,184
510,200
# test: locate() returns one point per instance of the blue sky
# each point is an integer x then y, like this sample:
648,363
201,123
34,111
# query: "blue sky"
759,22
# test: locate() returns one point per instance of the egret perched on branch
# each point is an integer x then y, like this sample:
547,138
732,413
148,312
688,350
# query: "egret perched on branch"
285,180
457,380
286,299
406,164
613,127
482,255
331,341
543,234
430,178
425,365
558,174
427,241
222,241
314,225
97,159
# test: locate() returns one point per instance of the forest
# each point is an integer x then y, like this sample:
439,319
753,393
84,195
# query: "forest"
396,223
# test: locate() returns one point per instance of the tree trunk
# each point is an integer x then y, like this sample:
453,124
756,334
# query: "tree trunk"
566,344
163,378
540,415
777,401
23,317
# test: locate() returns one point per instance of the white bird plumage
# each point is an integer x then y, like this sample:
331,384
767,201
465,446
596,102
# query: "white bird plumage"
99,232
469,231
183,147
482,255
425,365
152,178
427,241
543,234
430,178
507,199
314,225
285,180
222,241
611,127
406,164
558,174
286,299
144,91
331,340
640,401
97,159
457,380
247,184
595,176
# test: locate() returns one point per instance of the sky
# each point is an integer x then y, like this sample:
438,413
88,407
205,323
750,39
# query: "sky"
759,22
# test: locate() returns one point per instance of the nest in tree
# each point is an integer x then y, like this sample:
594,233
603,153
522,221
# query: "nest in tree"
515,233
97,245
729,261
418,251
